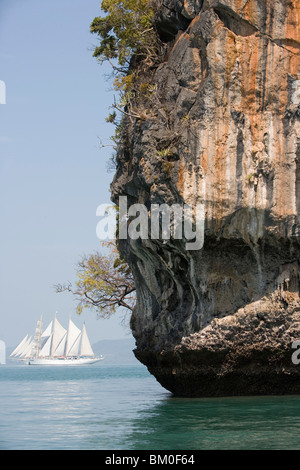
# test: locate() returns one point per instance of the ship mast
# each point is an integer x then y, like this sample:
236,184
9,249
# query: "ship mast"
37,338
52,336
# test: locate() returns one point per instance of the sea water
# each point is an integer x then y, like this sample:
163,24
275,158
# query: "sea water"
124,408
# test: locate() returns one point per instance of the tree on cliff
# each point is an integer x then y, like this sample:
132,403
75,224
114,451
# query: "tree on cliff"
125,31
126,36
105,282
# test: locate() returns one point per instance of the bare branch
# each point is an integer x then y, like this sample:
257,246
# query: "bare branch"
137,116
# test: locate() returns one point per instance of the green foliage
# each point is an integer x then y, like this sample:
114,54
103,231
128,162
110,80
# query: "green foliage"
167,152
125,31
127,40
111,117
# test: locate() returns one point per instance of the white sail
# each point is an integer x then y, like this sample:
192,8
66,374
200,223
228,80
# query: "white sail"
27,348
86,349
53,340
45,335
60,350
73,334
45,351
45,345
74,350
58,333
18,349
30,350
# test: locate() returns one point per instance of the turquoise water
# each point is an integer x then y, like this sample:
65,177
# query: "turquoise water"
116,408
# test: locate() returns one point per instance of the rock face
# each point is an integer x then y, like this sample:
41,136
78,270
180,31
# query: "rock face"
220,128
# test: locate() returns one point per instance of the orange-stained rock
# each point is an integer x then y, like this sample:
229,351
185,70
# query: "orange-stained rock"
223,132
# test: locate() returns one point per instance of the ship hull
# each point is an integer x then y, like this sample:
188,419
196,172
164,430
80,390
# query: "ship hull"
63,361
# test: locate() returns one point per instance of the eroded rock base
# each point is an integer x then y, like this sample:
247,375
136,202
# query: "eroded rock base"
249,353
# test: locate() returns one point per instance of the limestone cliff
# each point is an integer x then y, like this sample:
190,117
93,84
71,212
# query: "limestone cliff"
222,130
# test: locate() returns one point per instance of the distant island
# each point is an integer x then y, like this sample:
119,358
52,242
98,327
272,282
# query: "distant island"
116,351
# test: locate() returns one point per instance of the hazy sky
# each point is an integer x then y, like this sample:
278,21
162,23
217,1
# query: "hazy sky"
52,173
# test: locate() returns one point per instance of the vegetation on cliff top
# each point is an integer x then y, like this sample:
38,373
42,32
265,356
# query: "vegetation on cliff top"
125,31
129,43
127,37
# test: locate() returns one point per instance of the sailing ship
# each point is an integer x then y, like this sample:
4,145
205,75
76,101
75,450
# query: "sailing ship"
56,346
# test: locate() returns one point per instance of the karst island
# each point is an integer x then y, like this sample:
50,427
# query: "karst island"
208,137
